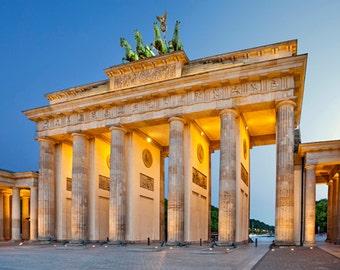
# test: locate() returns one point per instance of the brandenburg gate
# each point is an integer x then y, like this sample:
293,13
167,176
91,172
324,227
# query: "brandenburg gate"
103,146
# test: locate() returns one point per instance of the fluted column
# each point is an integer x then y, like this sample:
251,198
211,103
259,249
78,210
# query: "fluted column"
335,209
176,182
310,206
330,211
227,184
338,213
46,196
34,214
25,215
7,216
16,214
118,196
1,216
161,198
284,215
79,188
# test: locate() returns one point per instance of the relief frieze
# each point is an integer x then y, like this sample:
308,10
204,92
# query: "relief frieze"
144,77
167,102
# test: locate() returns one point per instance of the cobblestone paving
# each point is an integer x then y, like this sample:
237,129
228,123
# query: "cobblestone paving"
298,258
129,257
38,256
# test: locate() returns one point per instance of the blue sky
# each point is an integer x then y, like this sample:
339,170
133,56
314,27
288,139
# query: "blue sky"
49,45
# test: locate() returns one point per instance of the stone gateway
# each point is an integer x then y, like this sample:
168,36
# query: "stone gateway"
103,147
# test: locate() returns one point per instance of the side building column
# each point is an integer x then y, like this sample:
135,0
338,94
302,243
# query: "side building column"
46,190
34,214
16,214
335,212
118,189
7,216
330,211
337,240
176,182
79,221
284,215
227,184
1,216
309,239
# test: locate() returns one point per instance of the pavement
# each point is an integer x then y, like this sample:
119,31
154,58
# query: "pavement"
26,255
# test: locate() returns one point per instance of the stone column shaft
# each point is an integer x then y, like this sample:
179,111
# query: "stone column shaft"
310,206
161,199
284,216
227,184
329,211
16,214
176,182
337,241
46,191
1,216
118,196
79,188
335,209
34,214
7,216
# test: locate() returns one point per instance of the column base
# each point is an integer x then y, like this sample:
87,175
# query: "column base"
283,243
175,244
79,242
309,244
225,244
117,243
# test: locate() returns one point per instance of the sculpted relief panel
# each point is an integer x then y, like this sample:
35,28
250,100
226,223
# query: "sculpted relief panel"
168,102
145,76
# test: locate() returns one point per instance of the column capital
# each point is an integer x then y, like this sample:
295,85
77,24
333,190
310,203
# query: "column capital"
176,118
118,128
230,110
46,139
80,134
285,102
310,166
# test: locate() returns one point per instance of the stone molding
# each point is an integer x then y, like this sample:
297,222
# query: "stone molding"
189,98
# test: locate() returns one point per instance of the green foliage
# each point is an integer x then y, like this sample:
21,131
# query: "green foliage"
321,216
259,227
214,219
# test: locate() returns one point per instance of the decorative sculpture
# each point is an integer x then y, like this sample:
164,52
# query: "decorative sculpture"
130,55
159,44
176,42
142,50
162,22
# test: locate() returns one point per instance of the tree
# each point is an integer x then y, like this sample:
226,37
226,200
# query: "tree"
214,219
321,216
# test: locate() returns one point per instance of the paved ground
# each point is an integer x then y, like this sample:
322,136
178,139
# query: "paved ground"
37,256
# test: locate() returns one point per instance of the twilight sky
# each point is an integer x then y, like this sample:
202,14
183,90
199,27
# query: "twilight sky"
50,45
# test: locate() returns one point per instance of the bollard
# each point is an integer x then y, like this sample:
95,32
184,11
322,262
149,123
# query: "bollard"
148,241
200,241
256,242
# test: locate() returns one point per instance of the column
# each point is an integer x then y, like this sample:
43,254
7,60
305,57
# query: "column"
337,241
79,188
176,182
25,217
309,239
46,197
118,196
16,214
161,198
34,214
7,216
284,216
330,211
227,184
335,208
1,216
